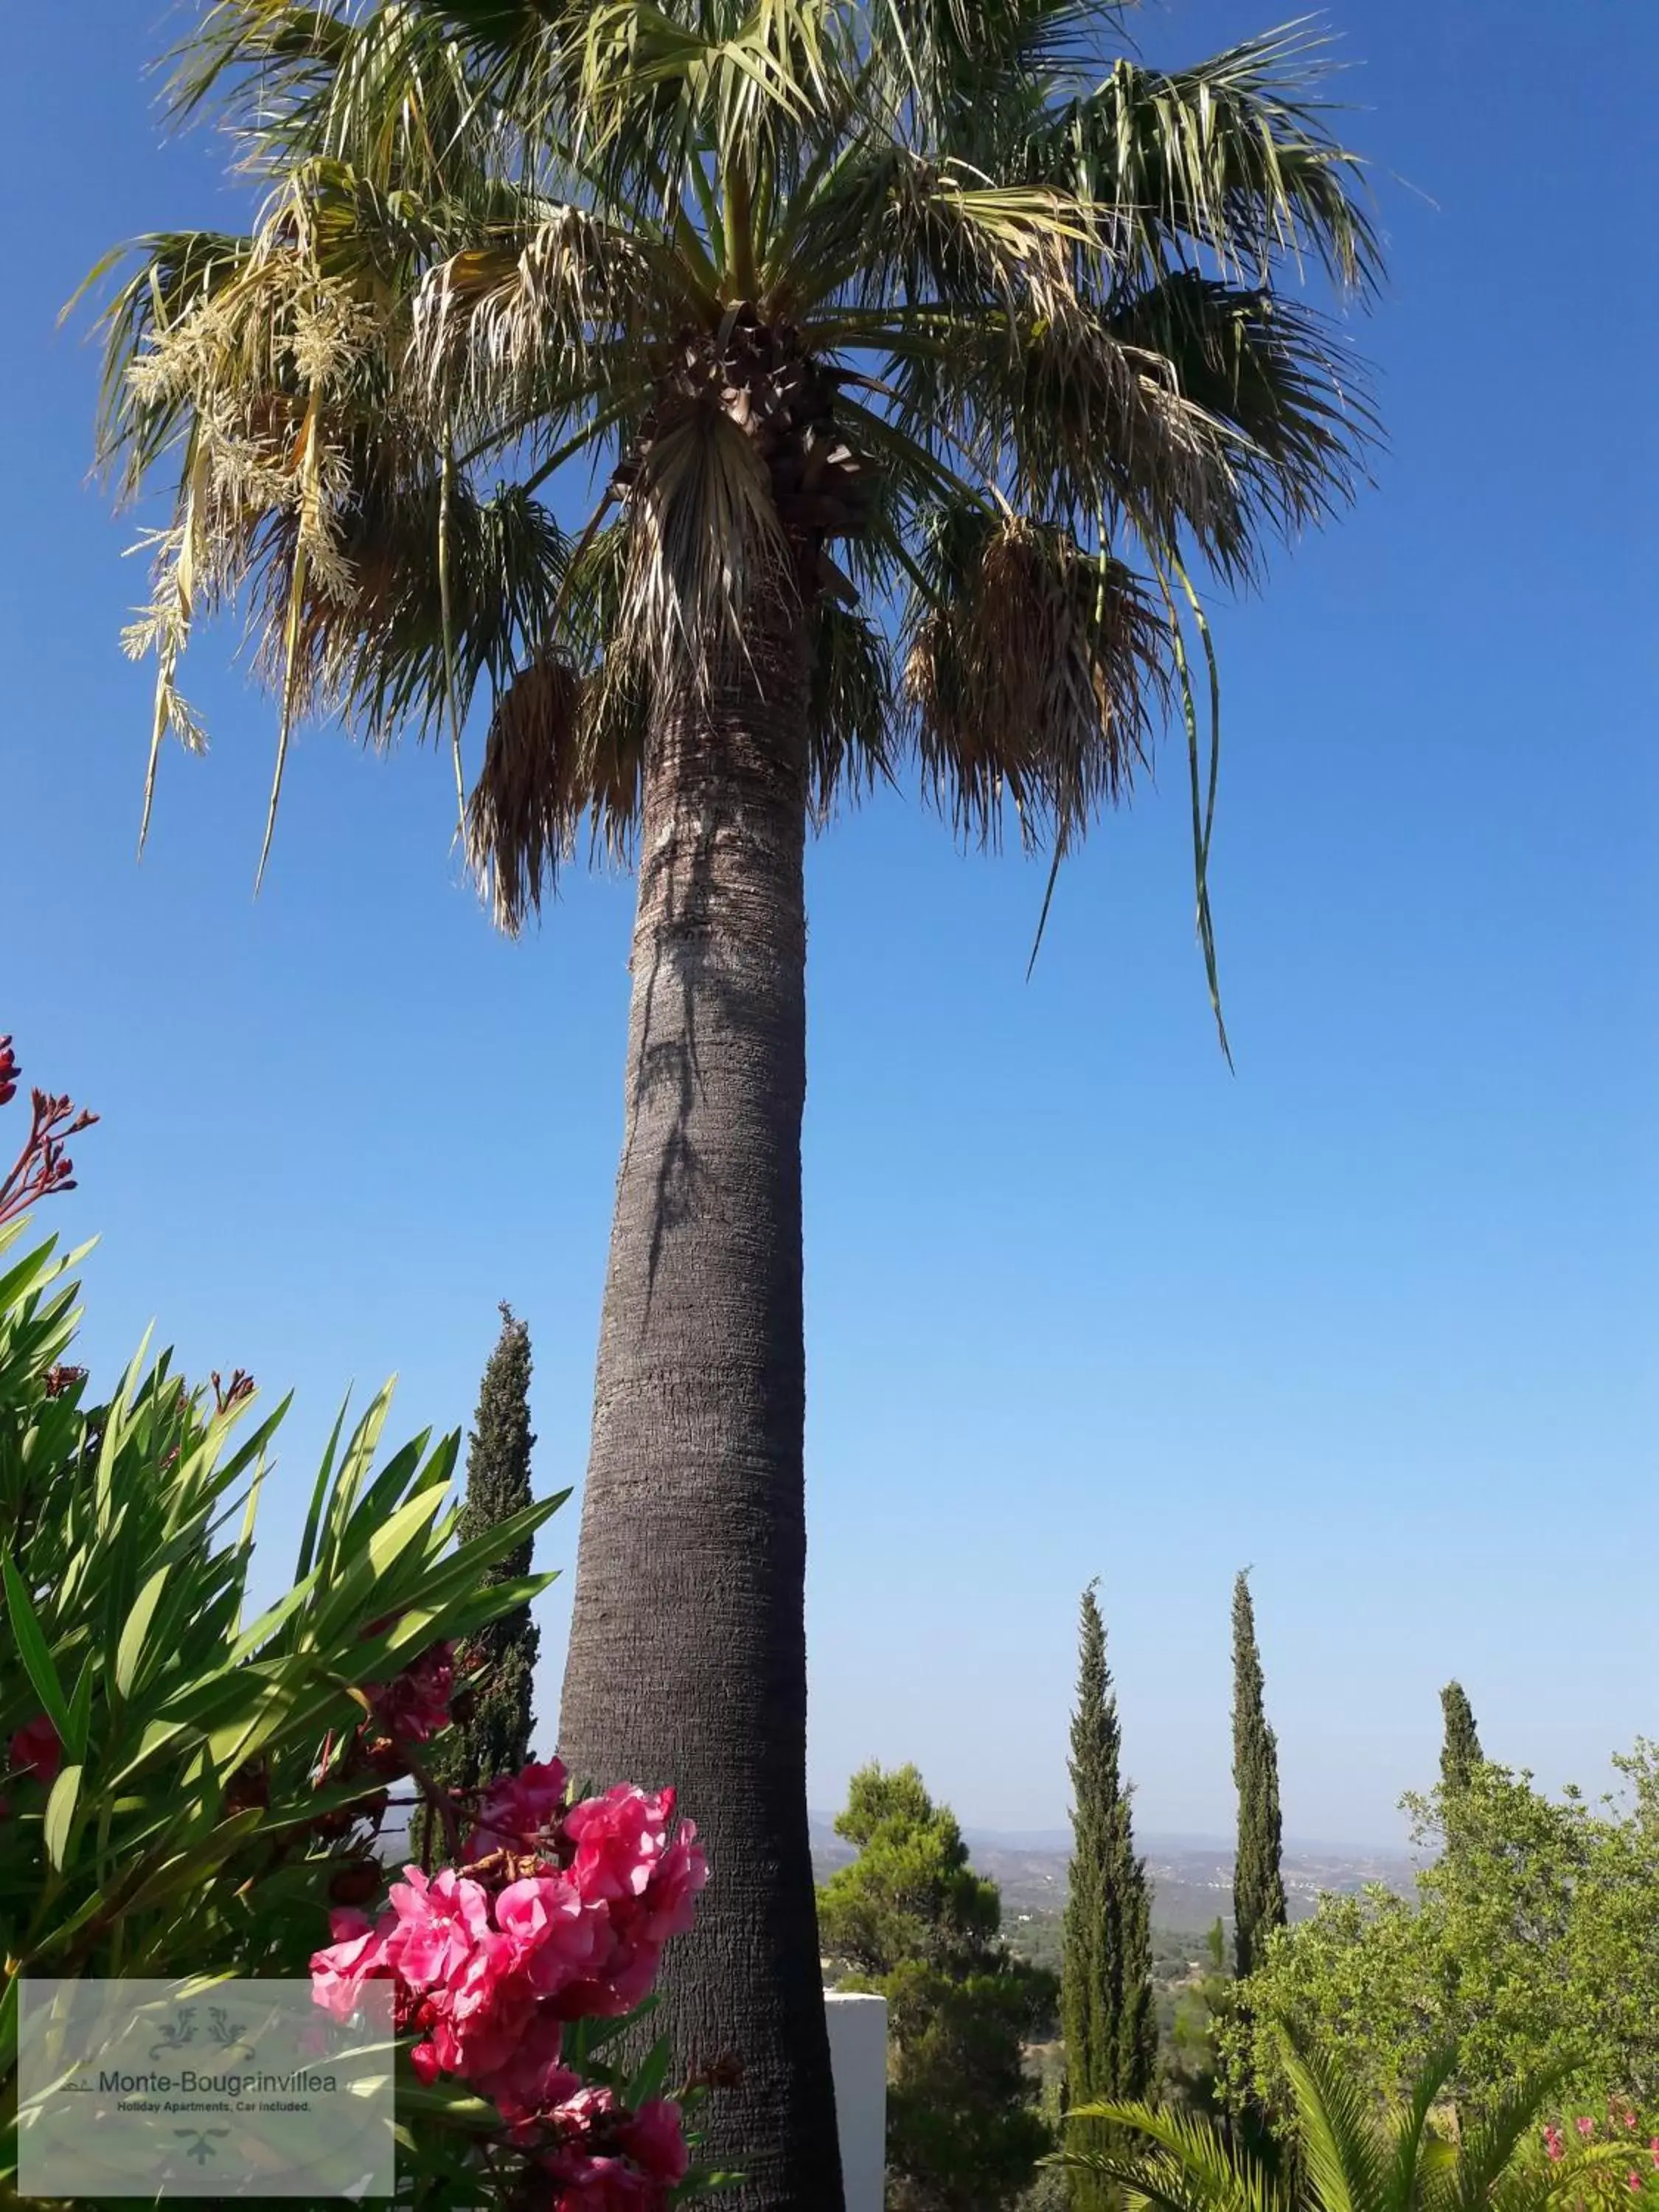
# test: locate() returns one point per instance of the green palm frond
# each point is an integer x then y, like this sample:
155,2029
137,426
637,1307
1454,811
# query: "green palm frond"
852,736
1172,2160
1486,2155
1339,2132
1234,156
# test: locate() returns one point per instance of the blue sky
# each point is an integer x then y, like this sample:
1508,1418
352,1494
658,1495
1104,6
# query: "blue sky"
1376,1314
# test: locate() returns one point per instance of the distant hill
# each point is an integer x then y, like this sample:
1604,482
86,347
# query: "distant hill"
1192,1875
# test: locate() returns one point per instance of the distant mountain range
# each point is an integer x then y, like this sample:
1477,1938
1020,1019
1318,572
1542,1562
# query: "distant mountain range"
1192,1875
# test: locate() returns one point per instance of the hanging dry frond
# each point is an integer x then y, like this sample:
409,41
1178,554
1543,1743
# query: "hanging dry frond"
520,821
1036,678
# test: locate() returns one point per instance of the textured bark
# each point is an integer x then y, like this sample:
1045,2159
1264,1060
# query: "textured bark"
688,1662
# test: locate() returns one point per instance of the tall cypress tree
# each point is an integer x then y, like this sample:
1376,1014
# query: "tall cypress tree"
1258,1881
493,1736
1460,1750
1106,1975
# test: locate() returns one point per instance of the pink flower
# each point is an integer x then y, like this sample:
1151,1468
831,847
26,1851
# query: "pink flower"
357,1954
440,1922
1585,2126
1553,2143
414,1706
618,1839
36,1751
562,1938
655,2139
671,1896
1653,2150
489,2005
532,2078
1633,2179
424,2059
517,1809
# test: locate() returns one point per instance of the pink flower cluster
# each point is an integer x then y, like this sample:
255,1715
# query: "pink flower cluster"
560,1913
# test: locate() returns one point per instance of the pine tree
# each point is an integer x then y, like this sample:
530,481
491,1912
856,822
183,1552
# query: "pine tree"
1106,1980
493,1736
1460,1752
1258,1882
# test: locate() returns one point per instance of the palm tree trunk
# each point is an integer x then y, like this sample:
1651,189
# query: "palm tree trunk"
688,1661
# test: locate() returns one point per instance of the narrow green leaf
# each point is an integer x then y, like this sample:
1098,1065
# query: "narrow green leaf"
130,1650
60,1813
32,1651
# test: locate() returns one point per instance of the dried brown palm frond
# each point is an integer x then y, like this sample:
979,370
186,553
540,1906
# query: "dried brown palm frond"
564,748
1036,678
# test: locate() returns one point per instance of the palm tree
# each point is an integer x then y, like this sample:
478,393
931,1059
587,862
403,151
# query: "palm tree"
923,355
1350,2155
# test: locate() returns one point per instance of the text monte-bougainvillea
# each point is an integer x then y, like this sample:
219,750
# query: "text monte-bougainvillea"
558,1913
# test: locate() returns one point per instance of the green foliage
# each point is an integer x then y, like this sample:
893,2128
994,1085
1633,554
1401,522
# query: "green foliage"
192,1824
1111,2039
1191,2067
1258,1884
910,1894
496,1720
1460,1752
1533,1939
1354,2155
915,1923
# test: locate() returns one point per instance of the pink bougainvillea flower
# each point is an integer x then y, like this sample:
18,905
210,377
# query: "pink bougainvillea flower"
670,1902
1585,2126
1633,2179
655,2139
489,2004
518,1808
357,1954
618,1837
562,1937
414,1705
440,1919
35,1750
1553,2143
532,2078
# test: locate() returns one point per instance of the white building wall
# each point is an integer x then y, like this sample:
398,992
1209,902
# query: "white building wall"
857,2059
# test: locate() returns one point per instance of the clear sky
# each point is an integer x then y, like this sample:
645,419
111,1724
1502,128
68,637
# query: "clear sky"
1376,1314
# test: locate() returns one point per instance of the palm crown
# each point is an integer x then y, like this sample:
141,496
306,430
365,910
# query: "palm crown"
938,284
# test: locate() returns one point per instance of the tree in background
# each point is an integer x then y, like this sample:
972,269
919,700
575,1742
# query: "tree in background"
1192,2063
1106,1981
1258,1882
1460,1751
1535,1940
493,1736
915,1922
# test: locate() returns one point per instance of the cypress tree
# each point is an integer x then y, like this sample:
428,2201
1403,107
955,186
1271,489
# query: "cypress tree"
1258,1882
1106,1977
492,1735
1460,1751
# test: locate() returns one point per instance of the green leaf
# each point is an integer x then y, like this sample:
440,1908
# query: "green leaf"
32,1651
60,1813
130,1650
